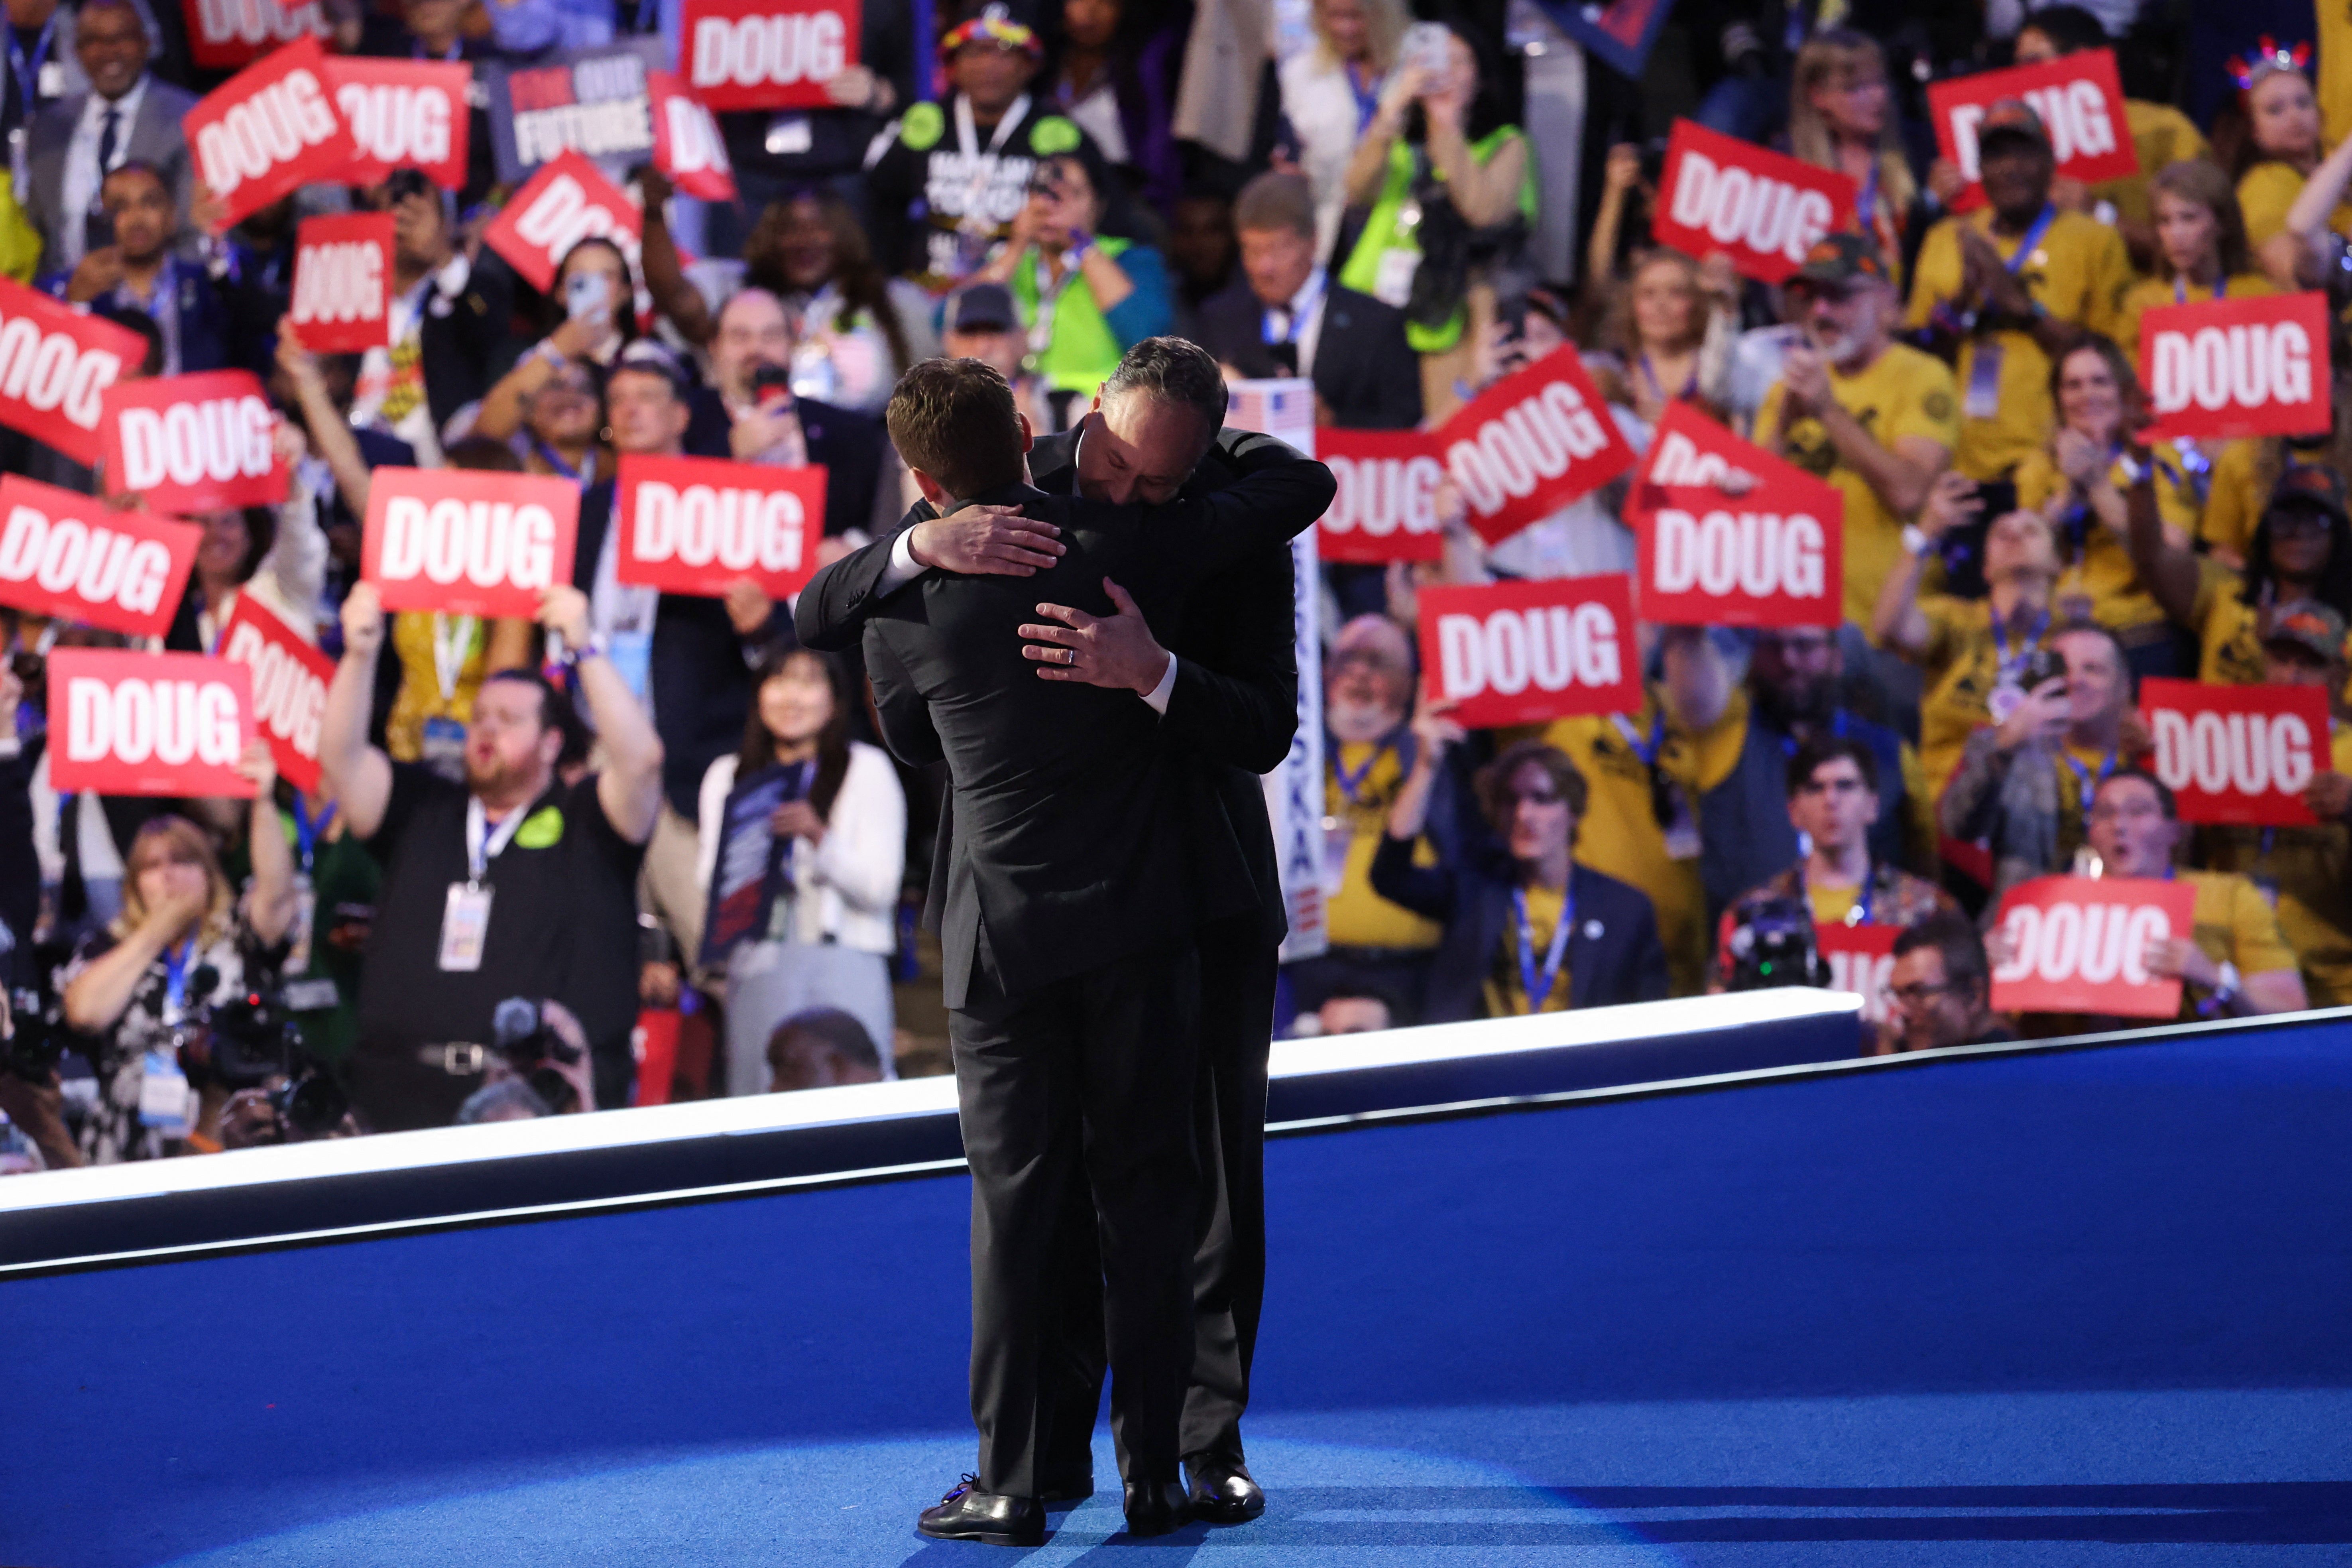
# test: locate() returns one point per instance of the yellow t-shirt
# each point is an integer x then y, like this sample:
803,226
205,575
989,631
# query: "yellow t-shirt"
2160,135
1506,993
2234,925
1621,835
1902,393
2264,194
2226,628
1832,905
2234,503
2308,873
2104,572
2079,274
1962,666
1354,915
2149,292
420,697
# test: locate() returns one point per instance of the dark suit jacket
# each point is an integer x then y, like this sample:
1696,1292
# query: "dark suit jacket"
701,675
155,137
462,338
1083,832
848,445
223,324
1623,961
1364,371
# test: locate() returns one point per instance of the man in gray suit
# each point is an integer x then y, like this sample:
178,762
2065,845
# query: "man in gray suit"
125,115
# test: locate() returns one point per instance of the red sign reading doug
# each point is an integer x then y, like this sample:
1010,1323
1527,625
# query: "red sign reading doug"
689,525
1761,208
403,114
148,723
686,143
468,543
2079,98
65,554
342,283
193,443
225,34
1387,506
569,200
768,54
1516,653
289,686
2225,368
55,364
2079,944
2238,754
1532,443
270,129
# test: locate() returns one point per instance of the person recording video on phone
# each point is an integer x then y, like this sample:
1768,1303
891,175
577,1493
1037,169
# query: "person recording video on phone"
590,319
750,370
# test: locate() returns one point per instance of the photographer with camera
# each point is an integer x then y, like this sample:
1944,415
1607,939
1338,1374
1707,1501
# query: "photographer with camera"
1833,804
147,985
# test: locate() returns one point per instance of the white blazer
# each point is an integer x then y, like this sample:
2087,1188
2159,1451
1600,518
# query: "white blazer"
1321,108
849,884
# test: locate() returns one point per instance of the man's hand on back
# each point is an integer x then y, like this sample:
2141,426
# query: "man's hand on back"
1117,651
990,541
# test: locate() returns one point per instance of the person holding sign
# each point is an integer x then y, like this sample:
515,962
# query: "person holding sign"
184,940
512,883
2235,964
2003,290
2200,237
2306,872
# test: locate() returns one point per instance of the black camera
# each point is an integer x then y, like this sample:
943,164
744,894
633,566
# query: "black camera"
1775,946
520,1035
2041,666
771,384
37,1035
246,1041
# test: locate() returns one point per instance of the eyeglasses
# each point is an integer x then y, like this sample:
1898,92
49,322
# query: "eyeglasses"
1917,992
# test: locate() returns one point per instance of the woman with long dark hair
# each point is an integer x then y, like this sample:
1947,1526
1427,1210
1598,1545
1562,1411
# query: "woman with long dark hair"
590,312
811,824
855,328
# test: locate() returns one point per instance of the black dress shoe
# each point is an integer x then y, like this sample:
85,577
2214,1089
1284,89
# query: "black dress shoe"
993,1519
1155,1508
1222,1491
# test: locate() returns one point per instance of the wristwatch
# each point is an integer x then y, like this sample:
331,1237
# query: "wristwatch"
594,647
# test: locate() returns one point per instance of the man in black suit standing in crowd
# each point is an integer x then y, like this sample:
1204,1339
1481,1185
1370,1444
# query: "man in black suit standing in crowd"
1227,683
1286,315
1085,860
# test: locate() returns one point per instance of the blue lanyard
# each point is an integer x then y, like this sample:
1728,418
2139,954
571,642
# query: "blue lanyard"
1368,100
175,975
1299,314
307,829
2082,771
1648,753
1351,783
1658,391
583,476
28,72
1866,201
1552,956
1837,728
2001,642
2181,290
2033,241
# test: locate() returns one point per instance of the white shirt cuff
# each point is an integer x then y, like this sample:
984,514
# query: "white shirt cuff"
903,568
1159,695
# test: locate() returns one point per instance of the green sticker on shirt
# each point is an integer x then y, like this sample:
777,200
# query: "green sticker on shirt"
1053,134
543,829
922,126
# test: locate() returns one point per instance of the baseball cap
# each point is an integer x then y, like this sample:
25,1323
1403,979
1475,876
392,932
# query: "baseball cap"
1841,258
2308,484
2011,117
2310,625
982,308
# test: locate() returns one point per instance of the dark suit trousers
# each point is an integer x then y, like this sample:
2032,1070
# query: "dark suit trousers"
1082,1087
1237,984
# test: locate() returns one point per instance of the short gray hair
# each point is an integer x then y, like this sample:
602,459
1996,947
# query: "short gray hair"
1175,370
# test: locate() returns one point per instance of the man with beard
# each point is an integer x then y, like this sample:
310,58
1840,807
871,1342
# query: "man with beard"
511,884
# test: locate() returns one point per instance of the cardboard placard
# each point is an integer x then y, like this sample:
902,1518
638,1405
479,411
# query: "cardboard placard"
591,102
468,543
566,202
148,723
404,114
1690,451
2079,98
270,129
692,525
2238,754
65,554
1761,208
2078,944
193,443
289,680
1532,443
2226,368
55,363
342,283
1386,508
688,146
225,34
1773,557
768,54
1519,653
1861,958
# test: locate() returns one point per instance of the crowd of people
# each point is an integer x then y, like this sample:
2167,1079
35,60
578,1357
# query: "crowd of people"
1373,196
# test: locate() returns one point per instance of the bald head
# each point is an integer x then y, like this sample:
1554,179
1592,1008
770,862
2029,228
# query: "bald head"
753,331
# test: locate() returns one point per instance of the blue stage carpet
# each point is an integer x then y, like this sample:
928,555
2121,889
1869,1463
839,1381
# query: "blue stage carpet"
2079,1308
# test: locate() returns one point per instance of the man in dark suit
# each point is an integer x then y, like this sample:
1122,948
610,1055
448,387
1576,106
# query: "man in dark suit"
1231,666
1085,857
1284,316
207,320
126,116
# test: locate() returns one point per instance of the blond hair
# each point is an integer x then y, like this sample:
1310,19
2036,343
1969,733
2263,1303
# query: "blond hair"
181,840
1384,25
1833,55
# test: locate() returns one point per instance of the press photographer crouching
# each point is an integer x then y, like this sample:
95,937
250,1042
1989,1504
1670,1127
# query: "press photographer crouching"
513,884
161,992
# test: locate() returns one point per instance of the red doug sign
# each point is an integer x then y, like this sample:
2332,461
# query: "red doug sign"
568,200
686,143
225,34
1386,509
54,367
468,543
403,114
2238,754
2079,944
193,443
768,54
342,283
1861,958
1727,535
1763,209
66,555
148,723
2237,367
2079,98
290,687
1518,653
1530,444
270,129
689,525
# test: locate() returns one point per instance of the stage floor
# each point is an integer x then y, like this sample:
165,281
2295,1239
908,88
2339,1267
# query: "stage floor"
2080,1307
